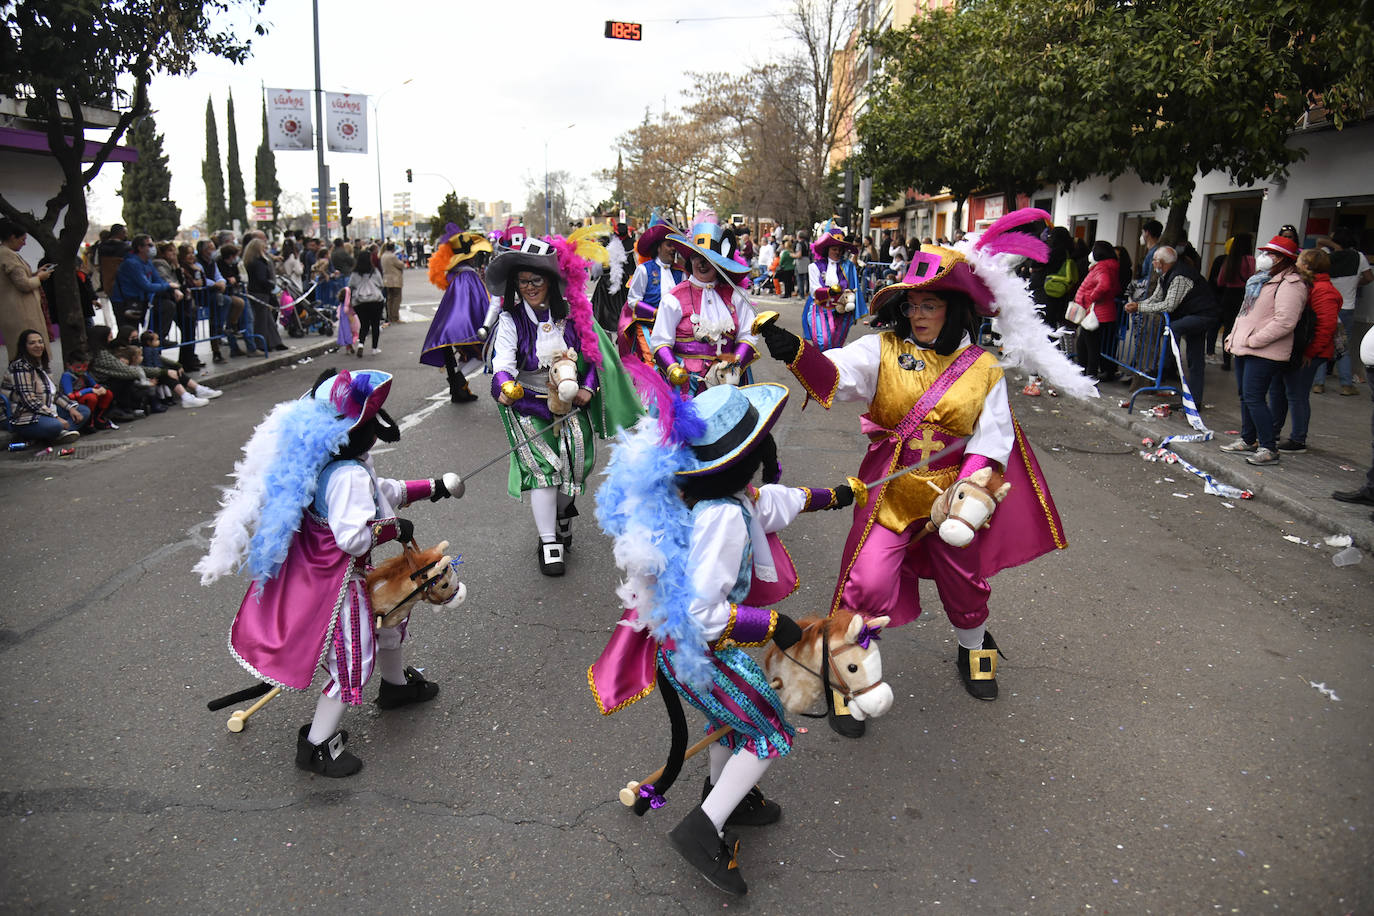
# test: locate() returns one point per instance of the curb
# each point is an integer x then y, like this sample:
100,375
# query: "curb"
250,367
1227,472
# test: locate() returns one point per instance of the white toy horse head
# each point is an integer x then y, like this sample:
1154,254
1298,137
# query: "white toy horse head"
414,575
842,647
563,383
966,506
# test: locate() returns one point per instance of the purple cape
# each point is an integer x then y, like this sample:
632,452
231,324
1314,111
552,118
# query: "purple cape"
460,313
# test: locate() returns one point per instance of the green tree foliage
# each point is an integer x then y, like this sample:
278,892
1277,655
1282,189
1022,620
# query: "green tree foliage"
216,215
103,54
147,185
265,184
238,197
451,210
1013,94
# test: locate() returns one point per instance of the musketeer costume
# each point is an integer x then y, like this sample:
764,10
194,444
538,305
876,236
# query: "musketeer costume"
466,314
830,312
702,334
552,461
652,278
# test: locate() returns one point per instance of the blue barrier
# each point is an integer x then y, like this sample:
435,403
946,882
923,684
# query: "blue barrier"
211,312
1139,347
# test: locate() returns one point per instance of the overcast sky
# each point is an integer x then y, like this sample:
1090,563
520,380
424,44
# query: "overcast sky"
491,83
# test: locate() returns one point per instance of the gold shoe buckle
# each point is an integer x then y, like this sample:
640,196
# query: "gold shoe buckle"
982,664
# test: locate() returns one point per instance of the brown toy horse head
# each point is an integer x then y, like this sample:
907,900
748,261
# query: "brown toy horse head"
414,575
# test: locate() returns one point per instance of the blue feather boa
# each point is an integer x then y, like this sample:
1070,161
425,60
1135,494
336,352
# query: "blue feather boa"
640,506
310,435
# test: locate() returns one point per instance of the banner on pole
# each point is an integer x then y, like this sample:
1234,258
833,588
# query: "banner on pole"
288,119
345,118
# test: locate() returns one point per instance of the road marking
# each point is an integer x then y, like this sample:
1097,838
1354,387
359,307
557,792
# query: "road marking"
440,398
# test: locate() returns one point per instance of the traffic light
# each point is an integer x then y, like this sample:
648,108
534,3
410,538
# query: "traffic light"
344,208
410,177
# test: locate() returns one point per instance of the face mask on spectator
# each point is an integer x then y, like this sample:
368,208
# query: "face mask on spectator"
1264,261
1142,238
1092,259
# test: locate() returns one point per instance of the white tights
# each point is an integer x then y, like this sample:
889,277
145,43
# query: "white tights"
547,502
734,775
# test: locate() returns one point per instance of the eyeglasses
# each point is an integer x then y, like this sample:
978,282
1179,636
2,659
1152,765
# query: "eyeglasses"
923,308
531,282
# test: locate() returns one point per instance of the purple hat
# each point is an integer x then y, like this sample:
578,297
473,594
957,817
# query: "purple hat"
830,240
935,269
653,234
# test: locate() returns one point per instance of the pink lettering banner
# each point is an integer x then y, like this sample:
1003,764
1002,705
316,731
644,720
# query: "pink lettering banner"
345,117
288,119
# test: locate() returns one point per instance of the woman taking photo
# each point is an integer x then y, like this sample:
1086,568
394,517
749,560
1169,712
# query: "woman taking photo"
40,413
261,293
1262,342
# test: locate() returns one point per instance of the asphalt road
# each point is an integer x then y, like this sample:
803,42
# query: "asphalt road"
1159,745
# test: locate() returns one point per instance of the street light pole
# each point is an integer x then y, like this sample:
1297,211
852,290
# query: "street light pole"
548,203
377,129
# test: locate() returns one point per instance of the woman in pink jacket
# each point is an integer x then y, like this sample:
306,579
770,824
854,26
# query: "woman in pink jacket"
1097,293
1292,390
1262,341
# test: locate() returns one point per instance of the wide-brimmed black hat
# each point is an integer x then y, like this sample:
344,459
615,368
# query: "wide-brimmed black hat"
535,254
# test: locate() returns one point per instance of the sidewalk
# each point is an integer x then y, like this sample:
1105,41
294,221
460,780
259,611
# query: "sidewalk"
1337,456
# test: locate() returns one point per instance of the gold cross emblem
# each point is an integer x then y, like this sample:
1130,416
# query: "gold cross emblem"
925,443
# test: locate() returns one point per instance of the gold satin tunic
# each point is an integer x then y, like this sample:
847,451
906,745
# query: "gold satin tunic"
908,499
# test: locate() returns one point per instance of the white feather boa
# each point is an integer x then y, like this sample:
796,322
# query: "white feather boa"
1021,331
616,250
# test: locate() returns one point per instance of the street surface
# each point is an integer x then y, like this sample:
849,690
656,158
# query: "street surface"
1184,722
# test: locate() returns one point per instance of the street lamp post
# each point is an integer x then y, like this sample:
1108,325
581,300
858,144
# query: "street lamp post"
377,123
548,203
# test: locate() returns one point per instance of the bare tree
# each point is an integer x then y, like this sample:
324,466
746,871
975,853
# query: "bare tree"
827,32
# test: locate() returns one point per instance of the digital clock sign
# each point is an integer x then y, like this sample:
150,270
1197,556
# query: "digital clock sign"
630,31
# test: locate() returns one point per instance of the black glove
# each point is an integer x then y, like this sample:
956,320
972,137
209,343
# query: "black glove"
405,530
782,345
439,491
844,497
787,633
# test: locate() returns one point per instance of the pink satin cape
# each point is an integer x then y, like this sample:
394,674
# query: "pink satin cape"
281,634
1026,524
625,670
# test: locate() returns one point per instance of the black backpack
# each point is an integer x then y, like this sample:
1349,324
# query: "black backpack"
1303,332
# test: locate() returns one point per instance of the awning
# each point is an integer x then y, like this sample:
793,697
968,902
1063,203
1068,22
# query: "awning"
36,141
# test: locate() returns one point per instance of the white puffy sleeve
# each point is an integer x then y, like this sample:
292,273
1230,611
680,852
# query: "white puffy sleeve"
503,350
665,322
352,508
775,506
858,367
718,539
993,434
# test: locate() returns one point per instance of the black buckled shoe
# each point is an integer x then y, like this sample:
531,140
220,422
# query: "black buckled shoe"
415,690
696,840
841,720
459,392
551,559
753,811
328,758
564,530
978,668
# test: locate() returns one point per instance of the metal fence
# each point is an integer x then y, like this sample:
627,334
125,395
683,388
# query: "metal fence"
1139,347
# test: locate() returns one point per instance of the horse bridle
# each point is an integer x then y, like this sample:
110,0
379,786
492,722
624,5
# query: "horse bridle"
418,574
831,668
977,486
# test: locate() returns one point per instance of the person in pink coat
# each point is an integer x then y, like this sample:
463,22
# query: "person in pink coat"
1262,341
1097,293
1291,391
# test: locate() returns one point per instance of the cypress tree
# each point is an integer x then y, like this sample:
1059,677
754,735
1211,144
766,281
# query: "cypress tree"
147,185
216,216
265,169
238,198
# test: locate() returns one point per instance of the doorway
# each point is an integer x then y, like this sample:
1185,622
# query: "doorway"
1228,215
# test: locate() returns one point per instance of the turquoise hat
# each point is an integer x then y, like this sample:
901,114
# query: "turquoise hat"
714,242
735,418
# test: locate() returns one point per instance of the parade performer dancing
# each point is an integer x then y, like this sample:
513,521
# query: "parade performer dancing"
465,315
837,296
659,272
303,516
546,329
702,333
703,562
928,390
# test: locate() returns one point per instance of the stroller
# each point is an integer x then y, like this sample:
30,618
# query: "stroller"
760,280
297,315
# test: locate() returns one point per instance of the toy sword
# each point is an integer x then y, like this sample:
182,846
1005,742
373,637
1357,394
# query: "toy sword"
861,487
457,489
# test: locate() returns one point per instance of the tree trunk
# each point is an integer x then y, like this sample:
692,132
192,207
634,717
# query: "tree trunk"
1180,196
958,223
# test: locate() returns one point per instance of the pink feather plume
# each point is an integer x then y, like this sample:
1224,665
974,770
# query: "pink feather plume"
1002,238
574,271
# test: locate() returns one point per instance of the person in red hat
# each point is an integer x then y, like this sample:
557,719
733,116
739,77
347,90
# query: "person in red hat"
934,395
1262,342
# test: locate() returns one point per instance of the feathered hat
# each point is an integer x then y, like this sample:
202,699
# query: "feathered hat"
533,254
712,241
653,234
832,238
457,246
356,396
982,265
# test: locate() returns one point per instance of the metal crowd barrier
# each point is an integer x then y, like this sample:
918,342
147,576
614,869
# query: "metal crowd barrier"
211,312
1139,346
874,277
